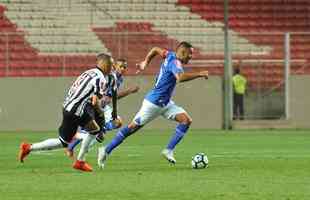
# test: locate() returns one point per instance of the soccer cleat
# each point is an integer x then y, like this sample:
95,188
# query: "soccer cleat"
100,137
82,165
168,155
69,153
24,150
102,156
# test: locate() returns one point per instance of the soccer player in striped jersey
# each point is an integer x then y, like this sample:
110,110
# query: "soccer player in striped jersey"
80,108
158,101
111,122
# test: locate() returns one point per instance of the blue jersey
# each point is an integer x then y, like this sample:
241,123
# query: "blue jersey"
165,81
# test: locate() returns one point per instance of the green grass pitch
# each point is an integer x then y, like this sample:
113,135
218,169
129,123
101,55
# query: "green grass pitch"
243,165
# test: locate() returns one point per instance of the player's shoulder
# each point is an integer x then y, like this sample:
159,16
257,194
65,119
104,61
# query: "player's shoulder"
99,74
171,57
170,54
93,72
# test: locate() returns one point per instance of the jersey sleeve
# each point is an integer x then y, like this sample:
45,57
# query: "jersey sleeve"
100,86
176,67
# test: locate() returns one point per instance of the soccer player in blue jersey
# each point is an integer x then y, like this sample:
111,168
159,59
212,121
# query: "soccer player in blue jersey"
111,122
158,101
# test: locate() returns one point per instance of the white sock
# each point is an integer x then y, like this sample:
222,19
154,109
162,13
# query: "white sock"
48,144
85,146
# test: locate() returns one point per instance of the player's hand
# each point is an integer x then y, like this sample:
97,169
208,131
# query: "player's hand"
141,66
134,89
204,74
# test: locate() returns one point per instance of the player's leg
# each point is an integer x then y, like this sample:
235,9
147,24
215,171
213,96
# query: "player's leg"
79,136
123,133
80,163
147,112
110,123
92,130
89,123
179,115
113,124
67,130
49,144
82,133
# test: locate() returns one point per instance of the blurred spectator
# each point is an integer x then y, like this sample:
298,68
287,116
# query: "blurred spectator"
239,88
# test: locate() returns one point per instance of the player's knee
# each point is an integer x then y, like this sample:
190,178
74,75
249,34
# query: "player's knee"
95,130
184,118
132,125
187,121
92,127
118,123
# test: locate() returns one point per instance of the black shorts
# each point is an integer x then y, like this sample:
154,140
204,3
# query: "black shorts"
71,122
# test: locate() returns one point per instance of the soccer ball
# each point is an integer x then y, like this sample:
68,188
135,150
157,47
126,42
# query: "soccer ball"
200,161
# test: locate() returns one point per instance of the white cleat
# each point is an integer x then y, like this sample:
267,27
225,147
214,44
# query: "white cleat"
168,155
102,156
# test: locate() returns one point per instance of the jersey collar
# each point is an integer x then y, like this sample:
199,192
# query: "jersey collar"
100,70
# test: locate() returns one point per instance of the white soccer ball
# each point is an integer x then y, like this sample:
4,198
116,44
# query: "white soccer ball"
200,161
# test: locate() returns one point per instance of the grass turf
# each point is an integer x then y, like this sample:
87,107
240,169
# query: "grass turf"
243,165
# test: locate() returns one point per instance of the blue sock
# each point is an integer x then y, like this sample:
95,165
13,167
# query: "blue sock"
109,125
73,144
180,131
118,139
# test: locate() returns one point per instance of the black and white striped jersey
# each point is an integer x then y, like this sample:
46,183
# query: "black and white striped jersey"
91,82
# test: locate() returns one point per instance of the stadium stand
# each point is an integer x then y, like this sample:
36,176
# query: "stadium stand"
62,39
263,17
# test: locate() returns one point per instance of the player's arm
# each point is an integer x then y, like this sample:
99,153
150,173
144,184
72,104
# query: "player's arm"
124,93
187,76
149,57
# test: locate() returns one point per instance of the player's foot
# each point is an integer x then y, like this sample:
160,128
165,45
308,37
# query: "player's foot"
82,165
168,155
24,150
69,153
102,156
100,137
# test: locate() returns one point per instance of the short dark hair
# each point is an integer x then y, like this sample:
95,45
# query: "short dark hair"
103,56
185,44
237,70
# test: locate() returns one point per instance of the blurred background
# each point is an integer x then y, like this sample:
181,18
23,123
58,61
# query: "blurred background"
44,45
